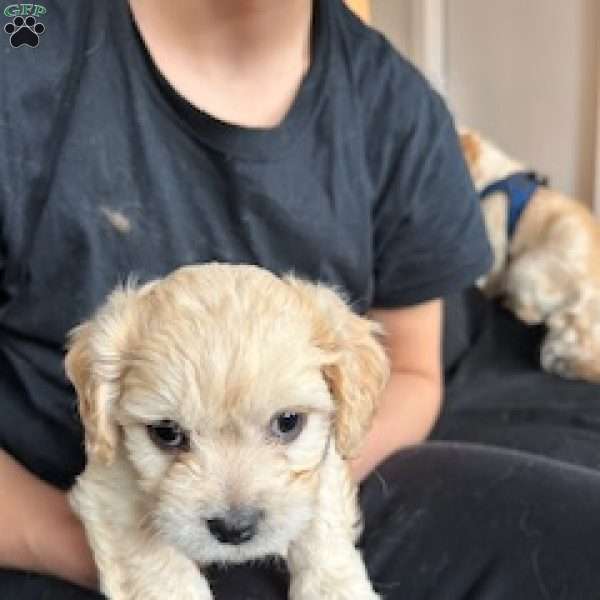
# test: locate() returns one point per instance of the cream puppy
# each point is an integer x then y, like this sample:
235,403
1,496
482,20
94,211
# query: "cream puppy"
548,271
220,405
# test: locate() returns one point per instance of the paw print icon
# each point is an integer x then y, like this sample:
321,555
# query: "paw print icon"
24,32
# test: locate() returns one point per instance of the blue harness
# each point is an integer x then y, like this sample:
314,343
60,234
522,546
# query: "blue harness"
519,188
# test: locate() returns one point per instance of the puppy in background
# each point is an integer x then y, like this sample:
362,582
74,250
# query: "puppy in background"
220,405
546,258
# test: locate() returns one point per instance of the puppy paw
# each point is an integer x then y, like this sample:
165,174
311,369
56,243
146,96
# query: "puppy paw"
559,354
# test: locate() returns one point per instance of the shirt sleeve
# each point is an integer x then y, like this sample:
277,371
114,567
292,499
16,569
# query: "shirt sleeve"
429,239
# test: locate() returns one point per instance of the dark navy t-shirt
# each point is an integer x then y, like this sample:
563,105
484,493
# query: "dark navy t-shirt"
106,171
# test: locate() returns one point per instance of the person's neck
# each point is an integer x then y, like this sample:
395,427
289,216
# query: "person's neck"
259,49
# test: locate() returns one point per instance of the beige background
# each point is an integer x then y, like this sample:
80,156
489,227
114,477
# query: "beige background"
524,72
362,8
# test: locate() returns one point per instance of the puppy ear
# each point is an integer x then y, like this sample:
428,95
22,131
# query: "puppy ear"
471,146
356,366
94,365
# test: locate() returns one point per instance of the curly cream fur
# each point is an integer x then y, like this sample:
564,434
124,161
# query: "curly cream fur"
221,349
549,271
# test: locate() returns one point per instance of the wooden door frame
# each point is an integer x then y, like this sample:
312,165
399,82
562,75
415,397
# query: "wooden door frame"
596,199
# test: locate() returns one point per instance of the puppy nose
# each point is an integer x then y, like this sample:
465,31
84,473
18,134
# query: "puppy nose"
235,526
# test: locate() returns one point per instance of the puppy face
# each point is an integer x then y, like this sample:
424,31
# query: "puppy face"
224,388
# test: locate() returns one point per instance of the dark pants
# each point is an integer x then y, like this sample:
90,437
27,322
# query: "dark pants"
445,521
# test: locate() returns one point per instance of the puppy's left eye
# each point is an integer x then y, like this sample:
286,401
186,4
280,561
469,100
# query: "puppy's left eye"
169,435
287,425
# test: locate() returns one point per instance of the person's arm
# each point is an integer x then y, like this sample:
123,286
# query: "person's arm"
39,531
411,401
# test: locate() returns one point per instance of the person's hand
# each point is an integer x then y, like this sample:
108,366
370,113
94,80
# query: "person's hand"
40,532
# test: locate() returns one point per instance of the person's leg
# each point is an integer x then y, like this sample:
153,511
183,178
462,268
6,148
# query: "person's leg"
445,521
16,585
266,582
450,521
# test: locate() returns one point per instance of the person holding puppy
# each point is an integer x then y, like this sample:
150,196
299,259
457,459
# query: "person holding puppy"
289,135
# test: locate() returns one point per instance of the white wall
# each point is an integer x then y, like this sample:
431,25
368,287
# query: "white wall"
526,73
393,17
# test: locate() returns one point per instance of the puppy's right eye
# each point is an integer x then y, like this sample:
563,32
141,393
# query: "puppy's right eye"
286,426
168,435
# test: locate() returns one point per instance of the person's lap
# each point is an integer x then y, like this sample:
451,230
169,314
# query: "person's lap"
444,521
471,522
